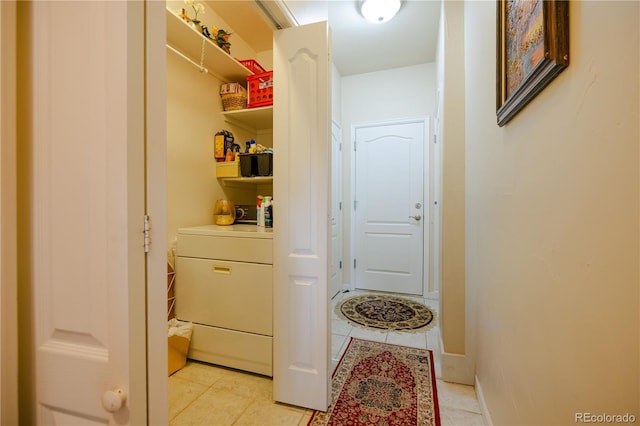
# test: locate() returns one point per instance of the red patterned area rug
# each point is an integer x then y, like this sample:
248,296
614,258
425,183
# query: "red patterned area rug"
378,384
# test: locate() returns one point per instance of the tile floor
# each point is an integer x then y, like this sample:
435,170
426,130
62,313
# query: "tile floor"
207,395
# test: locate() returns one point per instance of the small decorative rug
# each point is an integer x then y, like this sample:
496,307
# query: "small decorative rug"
384,312
379,384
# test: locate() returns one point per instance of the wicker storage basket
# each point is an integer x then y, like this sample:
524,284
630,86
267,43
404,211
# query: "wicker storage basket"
234,96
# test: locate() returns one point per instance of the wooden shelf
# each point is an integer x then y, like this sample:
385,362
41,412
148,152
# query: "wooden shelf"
184,38
256,118
241,181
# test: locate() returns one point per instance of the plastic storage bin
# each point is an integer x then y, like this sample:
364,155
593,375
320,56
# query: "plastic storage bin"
256,164
252,66
260,89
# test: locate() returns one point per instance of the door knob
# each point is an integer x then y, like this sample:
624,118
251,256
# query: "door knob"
113,400
416,217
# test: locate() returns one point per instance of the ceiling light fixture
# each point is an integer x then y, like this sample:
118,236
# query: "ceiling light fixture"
379,11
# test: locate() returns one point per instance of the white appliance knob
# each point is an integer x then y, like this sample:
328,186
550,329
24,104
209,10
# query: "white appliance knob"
113,400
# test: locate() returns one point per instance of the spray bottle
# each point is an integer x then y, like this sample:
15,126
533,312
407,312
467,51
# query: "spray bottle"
268,212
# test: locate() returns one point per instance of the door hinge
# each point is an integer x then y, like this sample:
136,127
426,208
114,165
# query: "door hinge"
147,233
435,139
355,204
354,264
355,145
340,147
340,266
340,205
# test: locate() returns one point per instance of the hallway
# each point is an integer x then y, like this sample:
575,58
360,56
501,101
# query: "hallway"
206,395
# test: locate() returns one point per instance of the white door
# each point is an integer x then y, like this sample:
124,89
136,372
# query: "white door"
302,234
83,153
336,208
389,206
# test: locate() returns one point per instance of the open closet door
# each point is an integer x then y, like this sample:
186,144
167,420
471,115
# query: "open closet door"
302,212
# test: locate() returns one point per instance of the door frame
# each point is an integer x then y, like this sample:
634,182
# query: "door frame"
436,202
427,195
156,209
8,216
337,161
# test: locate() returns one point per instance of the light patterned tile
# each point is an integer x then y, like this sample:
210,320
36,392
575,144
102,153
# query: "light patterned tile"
205,374
334,316
339,326
305,418
264,413
337,343
457,417
361,333
342,295
433,304
437,369
214,407
414,340
433,339
182,393
246,384
418,299
455,395
343,348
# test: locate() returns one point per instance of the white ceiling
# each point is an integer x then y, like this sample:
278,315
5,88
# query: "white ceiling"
358,46
408,39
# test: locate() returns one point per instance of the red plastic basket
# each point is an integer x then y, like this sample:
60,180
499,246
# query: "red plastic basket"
260,88
252,66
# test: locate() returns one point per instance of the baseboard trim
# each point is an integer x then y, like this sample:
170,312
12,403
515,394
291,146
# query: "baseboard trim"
486,416
456,368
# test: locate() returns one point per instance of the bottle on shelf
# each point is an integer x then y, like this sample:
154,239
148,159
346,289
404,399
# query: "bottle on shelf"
230,156
259,213
268,212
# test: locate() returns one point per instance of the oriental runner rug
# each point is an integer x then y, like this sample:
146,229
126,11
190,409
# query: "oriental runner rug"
386,313
379,384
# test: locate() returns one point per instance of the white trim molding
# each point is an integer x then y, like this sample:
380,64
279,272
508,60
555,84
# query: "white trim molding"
484,410
456,368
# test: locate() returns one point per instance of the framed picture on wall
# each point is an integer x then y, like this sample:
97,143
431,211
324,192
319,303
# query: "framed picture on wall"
532,49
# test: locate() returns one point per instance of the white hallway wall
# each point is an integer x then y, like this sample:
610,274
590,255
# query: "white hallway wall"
378,96
552,240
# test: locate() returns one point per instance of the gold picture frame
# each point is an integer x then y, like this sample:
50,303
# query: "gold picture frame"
532,49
